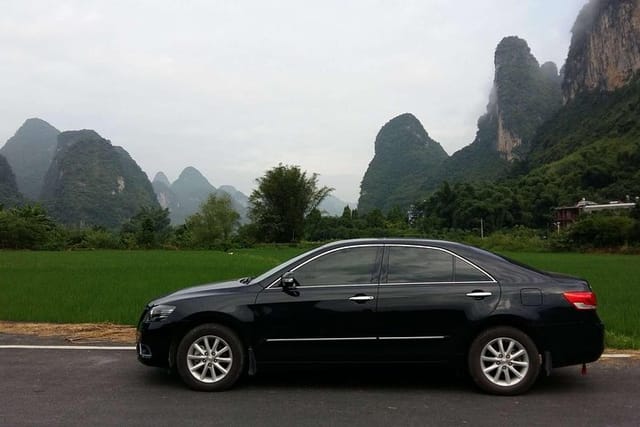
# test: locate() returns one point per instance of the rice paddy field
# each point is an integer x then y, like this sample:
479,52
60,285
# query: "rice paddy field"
113,286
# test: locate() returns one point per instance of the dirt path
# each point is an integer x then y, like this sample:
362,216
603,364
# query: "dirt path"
74,332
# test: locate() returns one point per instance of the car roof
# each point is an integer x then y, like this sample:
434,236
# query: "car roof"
403,240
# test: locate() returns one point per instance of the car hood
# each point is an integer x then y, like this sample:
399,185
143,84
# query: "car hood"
208,289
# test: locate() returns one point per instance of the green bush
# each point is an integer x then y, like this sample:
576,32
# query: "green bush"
26,227
516,239
101,239
601,230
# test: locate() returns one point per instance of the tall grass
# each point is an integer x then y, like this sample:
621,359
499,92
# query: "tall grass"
113,286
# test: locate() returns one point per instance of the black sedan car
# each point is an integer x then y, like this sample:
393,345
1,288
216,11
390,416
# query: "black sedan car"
384,301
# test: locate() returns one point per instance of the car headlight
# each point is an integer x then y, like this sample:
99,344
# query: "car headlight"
160,312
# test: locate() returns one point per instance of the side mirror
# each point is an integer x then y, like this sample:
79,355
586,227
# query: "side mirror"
288,281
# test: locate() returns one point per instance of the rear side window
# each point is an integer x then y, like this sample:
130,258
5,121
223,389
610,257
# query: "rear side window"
465,272
347,266
419,265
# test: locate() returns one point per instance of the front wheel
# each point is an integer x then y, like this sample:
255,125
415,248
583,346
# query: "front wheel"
210,357
504,360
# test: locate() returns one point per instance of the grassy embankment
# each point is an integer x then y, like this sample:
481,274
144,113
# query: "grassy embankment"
113,286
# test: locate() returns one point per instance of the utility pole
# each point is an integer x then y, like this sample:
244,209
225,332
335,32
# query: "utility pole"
482,228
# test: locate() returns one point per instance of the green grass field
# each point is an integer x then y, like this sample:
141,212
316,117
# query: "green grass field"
113,286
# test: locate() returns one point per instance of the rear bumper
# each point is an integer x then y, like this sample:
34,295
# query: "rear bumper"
574,343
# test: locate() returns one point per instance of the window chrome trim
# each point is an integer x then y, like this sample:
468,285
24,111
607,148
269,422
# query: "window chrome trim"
401,245
322,339
433,337
436,283
368,245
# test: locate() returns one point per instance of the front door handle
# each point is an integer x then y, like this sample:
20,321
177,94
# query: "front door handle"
479,294
361,298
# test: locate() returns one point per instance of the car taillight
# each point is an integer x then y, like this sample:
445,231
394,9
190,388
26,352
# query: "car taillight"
582,300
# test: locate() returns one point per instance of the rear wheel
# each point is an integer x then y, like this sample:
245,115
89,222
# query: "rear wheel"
504,360
210,357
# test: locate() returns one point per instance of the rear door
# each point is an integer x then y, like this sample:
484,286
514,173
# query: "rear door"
427,300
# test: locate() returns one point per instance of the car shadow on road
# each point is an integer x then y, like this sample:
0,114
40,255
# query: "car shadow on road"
360,376
334,376
371,378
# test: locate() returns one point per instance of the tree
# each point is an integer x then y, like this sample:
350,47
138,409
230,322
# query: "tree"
284,197
346,213
375,219
26,227
396,217
213,224
150,227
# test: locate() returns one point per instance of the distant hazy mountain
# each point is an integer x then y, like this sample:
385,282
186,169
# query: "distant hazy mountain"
161,178
165,195
91,182
29,152
404,157
186,194
604,54
525,95
9,194
408,164
238,196
591,146
551,137
191,189
332,206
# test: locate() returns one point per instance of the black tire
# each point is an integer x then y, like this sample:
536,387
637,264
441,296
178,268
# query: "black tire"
504,361
204,354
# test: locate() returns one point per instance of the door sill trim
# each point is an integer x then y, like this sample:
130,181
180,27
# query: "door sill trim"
322,339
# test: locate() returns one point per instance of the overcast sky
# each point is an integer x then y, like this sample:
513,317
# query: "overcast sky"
235,87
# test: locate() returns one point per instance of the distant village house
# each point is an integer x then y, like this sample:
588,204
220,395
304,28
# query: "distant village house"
565,215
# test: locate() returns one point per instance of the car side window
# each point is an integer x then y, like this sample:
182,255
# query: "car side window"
349,266
465,272
419,265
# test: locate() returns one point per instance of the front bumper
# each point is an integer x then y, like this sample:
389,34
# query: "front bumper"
153,343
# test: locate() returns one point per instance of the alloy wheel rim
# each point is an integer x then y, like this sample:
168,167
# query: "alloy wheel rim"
209,359
504,361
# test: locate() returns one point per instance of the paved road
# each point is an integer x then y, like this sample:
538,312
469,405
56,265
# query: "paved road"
99,387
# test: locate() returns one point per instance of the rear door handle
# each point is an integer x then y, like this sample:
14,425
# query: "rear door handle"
479,294
361,298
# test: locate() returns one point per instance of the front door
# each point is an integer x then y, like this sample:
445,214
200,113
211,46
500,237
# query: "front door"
329,315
